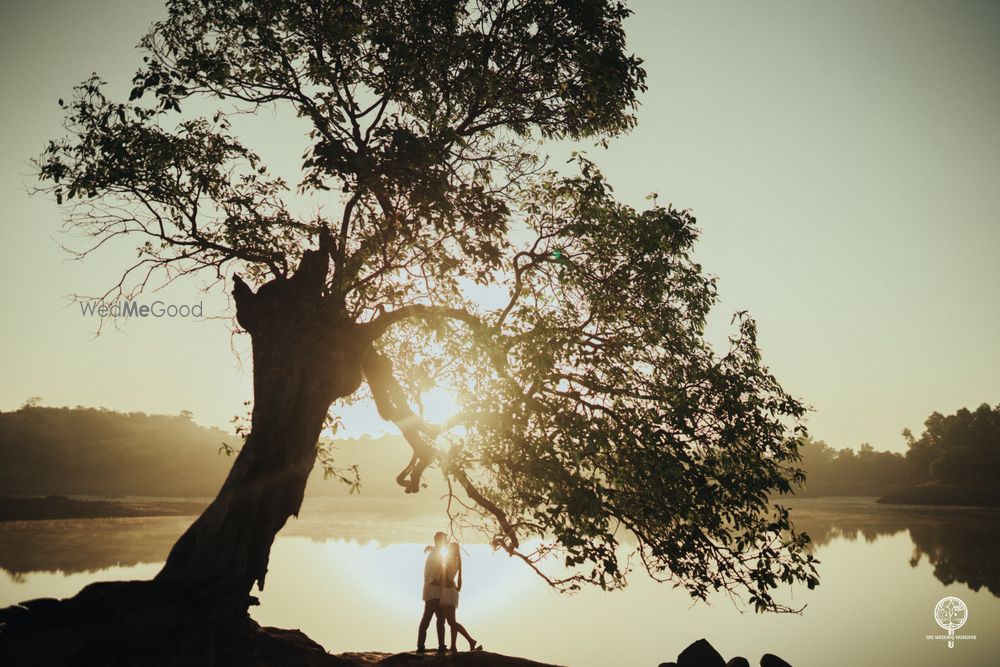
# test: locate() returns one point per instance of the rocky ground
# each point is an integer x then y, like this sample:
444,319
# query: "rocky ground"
133,624
466,659
292,647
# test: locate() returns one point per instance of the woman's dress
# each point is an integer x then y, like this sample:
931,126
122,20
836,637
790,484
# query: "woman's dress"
449,591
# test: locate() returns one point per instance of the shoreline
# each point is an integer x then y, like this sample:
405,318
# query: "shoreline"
954,495
47,508
54,507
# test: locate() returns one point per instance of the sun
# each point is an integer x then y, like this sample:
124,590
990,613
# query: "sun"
439,404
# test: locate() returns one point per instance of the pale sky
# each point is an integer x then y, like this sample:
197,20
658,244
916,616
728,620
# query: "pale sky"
842,158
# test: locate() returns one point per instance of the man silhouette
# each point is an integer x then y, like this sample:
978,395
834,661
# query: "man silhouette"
433,580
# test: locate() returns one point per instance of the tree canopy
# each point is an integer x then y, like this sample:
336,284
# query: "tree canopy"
592,406
963,447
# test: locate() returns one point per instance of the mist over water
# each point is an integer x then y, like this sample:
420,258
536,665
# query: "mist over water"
348,574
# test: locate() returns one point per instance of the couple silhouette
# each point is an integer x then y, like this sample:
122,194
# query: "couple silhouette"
442,584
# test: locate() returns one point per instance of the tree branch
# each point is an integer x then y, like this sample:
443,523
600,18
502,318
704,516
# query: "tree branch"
390,400
372,330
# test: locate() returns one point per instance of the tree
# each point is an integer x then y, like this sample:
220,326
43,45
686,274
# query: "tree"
845,472
959,448
31,402
592,406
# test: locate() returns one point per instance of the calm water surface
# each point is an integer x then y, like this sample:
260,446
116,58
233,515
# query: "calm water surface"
349,575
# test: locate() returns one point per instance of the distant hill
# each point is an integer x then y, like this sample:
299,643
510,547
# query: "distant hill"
100,452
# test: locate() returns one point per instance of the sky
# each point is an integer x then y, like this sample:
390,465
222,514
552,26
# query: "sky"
842,159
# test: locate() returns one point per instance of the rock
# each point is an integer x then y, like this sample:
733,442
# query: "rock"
41,604
771,660
738,662
667,664
700,654
275,646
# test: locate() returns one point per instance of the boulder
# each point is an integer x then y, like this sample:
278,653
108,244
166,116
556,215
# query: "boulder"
771,660
738,662
700,654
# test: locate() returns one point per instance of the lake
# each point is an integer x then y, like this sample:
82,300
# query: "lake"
349,574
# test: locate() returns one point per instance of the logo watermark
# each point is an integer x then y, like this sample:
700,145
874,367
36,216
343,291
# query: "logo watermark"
951,614
135,309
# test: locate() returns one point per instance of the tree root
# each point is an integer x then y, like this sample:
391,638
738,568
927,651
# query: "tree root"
147,623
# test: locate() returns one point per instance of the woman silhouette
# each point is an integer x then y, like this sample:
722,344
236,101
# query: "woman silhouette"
449,597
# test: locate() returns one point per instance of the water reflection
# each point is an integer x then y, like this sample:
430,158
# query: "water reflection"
89,545
85,545
960,556
349,573
962,545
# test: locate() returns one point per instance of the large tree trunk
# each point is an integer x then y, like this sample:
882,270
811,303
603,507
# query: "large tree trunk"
297,374
306,354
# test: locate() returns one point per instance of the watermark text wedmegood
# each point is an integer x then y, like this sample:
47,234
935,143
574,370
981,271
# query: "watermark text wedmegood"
134,309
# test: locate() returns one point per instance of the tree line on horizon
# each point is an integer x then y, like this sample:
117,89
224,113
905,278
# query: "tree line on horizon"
962,448
97,451
81,451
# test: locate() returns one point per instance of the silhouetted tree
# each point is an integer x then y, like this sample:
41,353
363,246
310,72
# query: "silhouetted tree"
591,403
963,447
